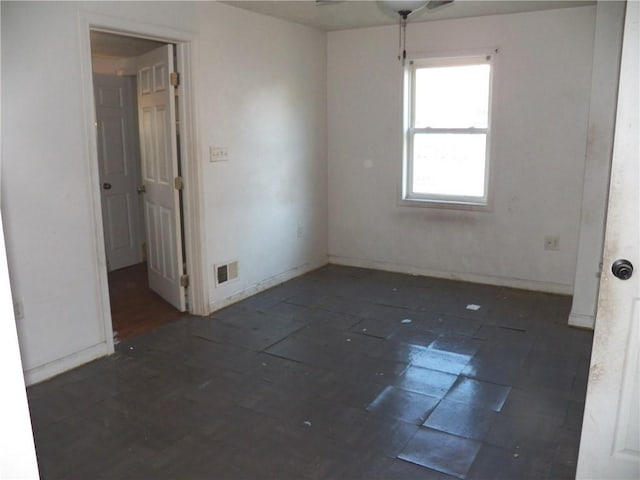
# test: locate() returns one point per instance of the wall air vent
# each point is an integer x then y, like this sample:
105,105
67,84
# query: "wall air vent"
226,272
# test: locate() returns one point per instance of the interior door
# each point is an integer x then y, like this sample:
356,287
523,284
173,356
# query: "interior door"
118,165
158,148
610,443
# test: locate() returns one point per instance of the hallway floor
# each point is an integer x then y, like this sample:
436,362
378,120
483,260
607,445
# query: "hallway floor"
342,373
136,309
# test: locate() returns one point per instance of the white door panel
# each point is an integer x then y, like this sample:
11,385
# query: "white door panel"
157,120
117,160
114,142
610,443
120,228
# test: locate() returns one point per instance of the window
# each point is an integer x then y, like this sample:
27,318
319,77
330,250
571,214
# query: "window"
447,131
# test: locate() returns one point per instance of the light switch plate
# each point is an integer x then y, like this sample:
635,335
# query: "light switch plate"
218,154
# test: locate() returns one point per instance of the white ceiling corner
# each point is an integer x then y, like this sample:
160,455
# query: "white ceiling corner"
341,15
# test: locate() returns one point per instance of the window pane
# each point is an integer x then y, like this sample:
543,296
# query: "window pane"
452,97
449,164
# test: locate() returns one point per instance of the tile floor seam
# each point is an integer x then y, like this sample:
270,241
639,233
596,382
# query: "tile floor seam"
334,384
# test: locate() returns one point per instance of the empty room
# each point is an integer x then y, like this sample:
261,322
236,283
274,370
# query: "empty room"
320,240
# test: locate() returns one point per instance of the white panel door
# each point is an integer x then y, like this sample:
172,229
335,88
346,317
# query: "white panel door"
610,443
158,148
118,164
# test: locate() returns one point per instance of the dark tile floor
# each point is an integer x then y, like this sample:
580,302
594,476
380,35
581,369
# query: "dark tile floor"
343,373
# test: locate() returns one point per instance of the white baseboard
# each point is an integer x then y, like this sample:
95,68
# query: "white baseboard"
266,284
582,320
533,285
51,369
56,367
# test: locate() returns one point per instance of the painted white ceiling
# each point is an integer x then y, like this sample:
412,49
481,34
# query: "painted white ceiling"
340,15
336,15
118,46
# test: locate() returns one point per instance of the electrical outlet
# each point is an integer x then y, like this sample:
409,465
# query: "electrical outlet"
551,242
300,231
218,154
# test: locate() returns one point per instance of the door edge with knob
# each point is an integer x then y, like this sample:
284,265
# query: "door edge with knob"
622,269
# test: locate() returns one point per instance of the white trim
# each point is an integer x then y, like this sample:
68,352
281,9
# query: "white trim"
432,55
448,204
51,369
92,180
192,194
409,198
582,320
533,285
193,215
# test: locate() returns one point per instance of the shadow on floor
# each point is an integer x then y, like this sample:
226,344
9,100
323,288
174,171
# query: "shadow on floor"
341,373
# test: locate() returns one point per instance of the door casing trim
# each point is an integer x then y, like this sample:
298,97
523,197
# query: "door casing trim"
186,49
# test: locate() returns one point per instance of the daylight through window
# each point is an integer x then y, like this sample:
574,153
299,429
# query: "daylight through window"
447,117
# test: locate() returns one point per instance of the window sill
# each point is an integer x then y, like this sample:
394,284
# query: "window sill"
444,204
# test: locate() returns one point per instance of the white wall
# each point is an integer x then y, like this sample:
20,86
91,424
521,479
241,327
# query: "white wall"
269,110
45,195
17,450
542,85
260,92
602,113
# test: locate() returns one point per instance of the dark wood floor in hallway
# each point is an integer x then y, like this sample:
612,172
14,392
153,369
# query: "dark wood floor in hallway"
342,373
136,309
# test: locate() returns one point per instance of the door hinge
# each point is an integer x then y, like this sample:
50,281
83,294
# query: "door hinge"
174,79
184,281
178,183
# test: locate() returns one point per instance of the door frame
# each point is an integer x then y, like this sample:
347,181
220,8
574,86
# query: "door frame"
186,50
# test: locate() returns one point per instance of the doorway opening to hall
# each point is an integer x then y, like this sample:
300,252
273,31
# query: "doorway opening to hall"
136,99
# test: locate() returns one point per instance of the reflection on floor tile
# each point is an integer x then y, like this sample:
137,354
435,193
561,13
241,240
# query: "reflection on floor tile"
479,394
401,470
442,361
426,381
342,373
459,344
408,406
399,351
442,452
461,419
502,371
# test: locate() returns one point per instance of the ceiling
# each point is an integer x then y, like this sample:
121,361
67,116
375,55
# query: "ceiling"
340,15
335,15
119,46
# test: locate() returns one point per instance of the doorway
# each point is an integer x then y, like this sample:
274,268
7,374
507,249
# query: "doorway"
144,250
135,308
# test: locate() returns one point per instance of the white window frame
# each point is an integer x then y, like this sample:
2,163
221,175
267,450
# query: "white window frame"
413,199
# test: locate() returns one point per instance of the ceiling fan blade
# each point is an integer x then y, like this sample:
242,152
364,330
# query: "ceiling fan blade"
437,3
